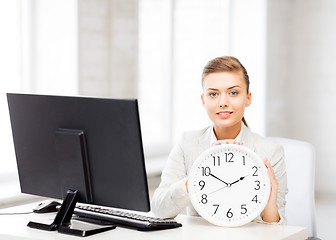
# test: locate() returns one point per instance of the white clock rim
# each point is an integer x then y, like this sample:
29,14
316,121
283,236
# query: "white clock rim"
194,201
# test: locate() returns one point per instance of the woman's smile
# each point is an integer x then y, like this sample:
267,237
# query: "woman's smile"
224,114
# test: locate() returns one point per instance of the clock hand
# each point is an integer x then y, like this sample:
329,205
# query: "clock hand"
216,190
227,184
240,179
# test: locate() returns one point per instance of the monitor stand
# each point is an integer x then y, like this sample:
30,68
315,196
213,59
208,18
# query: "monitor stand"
62,221
72,153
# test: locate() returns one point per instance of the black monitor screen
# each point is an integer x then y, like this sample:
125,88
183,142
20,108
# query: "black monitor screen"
90,144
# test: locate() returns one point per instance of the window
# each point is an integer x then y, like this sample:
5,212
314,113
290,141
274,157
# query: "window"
10,75
38,54
155,75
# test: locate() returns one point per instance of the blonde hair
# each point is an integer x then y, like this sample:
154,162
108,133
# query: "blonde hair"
226,64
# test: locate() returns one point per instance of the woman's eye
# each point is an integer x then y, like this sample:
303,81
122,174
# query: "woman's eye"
233,93
213,94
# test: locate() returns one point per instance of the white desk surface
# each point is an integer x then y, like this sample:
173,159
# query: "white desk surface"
15,227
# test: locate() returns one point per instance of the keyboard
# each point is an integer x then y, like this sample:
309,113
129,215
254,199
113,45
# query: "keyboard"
106,216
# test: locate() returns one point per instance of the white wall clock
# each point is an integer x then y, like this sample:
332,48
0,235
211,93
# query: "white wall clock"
229,185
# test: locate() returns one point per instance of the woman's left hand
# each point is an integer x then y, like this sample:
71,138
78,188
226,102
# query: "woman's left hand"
271,213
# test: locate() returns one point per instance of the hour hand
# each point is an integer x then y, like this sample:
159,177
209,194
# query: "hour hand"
240,179
227,184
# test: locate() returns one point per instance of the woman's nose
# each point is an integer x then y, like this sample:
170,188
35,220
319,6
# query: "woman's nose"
223,101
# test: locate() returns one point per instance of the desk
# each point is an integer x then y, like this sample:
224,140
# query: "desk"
14,227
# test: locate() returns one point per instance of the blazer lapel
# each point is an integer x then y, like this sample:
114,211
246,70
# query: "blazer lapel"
247,138
203,141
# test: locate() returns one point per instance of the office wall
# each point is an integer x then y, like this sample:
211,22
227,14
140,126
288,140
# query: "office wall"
108,47
301,86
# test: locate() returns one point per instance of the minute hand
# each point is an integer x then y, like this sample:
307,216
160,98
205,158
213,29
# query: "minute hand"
227,184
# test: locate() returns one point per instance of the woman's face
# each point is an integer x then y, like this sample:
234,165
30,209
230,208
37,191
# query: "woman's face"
225,98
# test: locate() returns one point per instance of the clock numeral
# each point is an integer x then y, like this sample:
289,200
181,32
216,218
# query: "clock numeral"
206,171
255,199
204,199
216,161
216,207
202,184
243,208
228,157
229,214
255,171
258,185
243,160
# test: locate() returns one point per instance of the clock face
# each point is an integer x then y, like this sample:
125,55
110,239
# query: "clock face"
229,185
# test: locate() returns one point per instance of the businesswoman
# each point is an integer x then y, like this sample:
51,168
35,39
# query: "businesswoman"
225,96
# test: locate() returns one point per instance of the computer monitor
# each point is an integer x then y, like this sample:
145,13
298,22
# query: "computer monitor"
90,146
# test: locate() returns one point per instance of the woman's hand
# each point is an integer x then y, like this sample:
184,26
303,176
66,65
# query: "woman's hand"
271,213
226,141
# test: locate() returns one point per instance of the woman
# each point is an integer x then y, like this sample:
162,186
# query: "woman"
225,95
